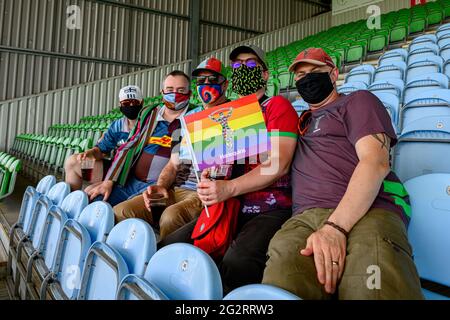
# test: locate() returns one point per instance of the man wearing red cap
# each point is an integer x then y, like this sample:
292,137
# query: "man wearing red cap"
177,182
348,234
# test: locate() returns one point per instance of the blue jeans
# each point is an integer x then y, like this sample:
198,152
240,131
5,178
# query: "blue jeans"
132,188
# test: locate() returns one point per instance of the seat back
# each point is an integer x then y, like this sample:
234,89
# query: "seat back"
134,287
428,231
260,292
425,104
363,73
393,86
394,70
430,64
397,55
425,50
300,105
419,42
70,255
98,219
351,87
184,272
430,135
103,272
392,104
30,198
135,240
55,221
74,204
424,83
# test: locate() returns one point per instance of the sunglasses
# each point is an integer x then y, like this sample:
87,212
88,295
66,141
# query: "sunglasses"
211,79
130,103
303,122
251,63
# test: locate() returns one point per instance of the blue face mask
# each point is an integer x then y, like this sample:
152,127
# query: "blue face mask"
210,93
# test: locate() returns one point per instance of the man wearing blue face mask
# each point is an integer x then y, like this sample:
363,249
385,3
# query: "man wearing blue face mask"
140,160
178,181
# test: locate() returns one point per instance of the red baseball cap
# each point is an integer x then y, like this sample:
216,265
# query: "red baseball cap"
316,56
211,64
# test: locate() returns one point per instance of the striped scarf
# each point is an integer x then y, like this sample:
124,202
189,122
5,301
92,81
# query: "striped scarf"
131,150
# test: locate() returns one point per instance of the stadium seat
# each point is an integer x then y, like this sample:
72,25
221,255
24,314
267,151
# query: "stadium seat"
98,219
425,104
127,250
260,292
421,148
350,87
184,272
422,40
393,56
428,230
430,64
394,86
300,105
444,52
134,287
443,30
424,83
424,51
393,70
8,177
392,105
443,41
363,73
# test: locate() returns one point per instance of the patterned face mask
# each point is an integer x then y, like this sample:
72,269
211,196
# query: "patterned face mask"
210,93
176,101
247,81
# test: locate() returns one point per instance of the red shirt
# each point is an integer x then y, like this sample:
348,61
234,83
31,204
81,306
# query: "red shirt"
281,120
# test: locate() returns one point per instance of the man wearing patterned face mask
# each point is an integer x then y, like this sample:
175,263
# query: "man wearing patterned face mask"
177,181
265,194
140,160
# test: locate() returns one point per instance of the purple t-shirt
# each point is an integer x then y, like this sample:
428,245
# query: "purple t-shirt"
326,156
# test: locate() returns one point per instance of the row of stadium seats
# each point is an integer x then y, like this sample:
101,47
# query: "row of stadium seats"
43,155
63,248
9,168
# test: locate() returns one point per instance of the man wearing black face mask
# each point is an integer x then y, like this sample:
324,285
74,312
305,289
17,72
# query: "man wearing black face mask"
348,234
131,102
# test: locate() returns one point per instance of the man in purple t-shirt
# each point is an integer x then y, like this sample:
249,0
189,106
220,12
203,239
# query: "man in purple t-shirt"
347,238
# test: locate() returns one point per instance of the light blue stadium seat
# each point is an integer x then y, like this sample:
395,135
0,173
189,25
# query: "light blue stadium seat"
129,247
442,43
445,51
396,55
98,218
72,206
184,272
393,86
392,105
425,104
424,83
134,287
393,70
300,105
423,51
30,199
428,230
443,30
430,64
351,87
419,42
96,221
363,73
260,292
64,280
421,148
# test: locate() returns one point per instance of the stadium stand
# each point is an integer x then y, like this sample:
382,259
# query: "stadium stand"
411,81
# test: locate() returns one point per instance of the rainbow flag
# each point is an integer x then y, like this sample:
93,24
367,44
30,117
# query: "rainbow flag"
227,133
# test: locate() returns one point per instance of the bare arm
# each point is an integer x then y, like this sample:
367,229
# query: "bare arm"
364,186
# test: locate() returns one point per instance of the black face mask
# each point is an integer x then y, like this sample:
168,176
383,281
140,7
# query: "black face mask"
315,87
131,112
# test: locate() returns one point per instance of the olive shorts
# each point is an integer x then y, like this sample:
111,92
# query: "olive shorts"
378,266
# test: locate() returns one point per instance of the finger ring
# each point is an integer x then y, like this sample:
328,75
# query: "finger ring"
335,263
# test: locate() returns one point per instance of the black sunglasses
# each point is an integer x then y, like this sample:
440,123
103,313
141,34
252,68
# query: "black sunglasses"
211,79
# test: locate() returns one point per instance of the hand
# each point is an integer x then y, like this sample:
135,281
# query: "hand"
153,190
92,186
211,192
83,156
327,245
104,188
